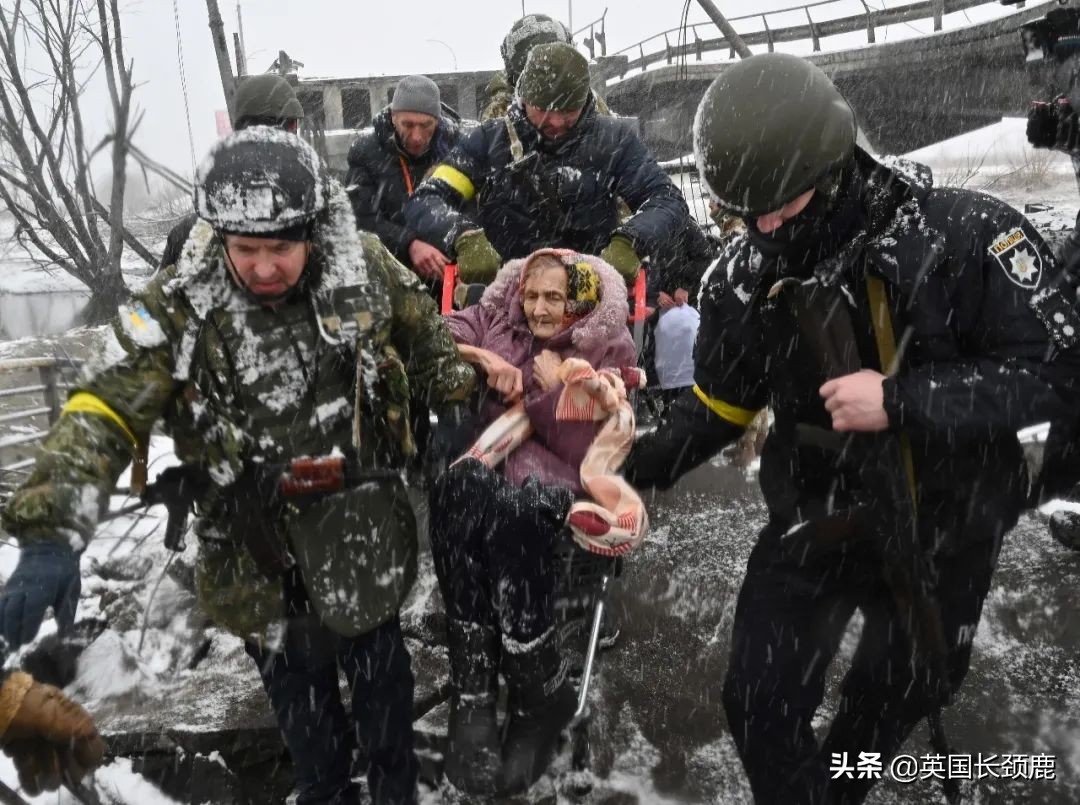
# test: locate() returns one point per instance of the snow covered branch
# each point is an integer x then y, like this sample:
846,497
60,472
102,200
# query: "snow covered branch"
49,51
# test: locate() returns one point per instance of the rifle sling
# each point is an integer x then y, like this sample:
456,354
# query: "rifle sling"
885,337
517,150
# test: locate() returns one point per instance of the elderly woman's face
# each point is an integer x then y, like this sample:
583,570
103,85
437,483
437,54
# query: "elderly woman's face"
543,296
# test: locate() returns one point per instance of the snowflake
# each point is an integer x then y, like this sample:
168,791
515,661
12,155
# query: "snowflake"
1023,265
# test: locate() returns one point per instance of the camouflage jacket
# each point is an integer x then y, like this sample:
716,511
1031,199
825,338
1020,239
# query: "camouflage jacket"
238,382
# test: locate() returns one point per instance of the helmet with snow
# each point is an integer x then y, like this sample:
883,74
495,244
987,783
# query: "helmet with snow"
767,130
525,34
261,181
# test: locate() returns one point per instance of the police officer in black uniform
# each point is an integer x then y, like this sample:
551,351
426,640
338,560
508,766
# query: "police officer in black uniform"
901,334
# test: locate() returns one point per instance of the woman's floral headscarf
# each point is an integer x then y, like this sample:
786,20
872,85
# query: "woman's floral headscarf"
582,282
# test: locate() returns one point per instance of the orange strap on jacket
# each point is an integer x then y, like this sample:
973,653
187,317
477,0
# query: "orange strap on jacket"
408,176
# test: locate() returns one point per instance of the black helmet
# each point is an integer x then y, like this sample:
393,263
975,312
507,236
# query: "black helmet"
260,181
267,98
768,129
525,34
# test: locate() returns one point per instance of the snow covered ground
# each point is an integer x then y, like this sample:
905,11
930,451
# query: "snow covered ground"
658,731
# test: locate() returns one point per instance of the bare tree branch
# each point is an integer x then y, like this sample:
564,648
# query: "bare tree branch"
121,108
63,62
133,242
7,50
49,52
169,175
23,221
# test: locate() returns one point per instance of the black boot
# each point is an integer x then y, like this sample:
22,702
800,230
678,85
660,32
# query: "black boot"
542,702
472,740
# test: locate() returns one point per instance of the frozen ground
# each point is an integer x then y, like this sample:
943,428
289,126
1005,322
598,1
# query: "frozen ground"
182,705
659,734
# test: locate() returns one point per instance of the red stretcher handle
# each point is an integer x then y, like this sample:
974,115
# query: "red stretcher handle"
449,282
638,295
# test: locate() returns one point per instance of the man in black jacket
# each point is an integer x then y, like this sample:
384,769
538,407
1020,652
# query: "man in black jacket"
390,159
901,335
548,174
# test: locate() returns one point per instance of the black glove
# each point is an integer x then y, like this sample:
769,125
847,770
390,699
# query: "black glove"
47,576
1067,138
1042,123
1054,125
254,509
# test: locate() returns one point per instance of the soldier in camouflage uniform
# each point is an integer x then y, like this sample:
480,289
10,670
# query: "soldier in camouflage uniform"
280,332
525,34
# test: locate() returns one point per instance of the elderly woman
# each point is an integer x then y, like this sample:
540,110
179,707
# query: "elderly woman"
493,532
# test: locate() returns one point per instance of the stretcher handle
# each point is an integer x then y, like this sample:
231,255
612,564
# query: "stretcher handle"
449,282
638,295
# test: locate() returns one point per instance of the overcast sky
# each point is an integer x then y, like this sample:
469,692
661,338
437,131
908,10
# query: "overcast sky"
370,37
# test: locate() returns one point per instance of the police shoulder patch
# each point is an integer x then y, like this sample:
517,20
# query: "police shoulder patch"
1019,258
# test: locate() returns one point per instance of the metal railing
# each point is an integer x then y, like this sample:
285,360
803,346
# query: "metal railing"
595,37
28,407
815,31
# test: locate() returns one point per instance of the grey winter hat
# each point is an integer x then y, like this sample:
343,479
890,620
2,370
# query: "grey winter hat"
555,78
265,98
417,93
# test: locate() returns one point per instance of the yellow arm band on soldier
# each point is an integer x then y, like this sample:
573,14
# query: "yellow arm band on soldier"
731,413
456,179
11,698
85,403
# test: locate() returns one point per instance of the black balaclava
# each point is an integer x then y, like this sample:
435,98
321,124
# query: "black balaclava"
833,215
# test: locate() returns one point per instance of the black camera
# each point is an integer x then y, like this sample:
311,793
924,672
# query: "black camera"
1041,35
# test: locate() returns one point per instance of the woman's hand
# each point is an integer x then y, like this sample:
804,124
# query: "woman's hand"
546,369
502,376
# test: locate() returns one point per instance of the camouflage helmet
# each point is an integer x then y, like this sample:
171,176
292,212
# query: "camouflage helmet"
767,130
261,181
265,98
525,34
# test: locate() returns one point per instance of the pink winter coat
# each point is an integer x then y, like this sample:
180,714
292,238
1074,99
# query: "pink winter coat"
498,324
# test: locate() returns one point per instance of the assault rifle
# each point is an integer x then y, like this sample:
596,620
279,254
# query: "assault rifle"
258,495
882,462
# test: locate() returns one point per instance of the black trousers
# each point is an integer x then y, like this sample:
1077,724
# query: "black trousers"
799,593
301,680
493,546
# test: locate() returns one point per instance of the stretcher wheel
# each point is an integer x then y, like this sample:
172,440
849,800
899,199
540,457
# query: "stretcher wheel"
580,748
